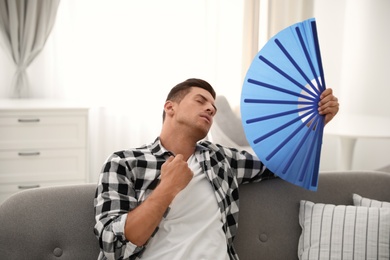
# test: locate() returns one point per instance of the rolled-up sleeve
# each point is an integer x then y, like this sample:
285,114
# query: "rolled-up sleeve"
115,197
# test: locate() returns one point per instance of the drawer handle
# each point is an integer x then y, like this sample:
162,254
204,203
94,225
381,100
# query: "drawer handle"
25,187
30,120
29,153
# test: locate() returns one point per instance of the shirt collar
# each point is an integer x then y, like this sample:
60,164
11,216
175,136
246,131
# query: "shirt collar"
159,150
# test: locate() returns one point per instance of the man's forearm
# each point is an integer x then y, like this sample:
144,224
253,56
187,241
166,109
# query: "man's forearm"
143,220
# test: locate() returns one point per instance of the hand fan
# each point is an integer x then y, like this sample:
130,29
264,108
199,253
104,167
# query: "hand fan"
279,104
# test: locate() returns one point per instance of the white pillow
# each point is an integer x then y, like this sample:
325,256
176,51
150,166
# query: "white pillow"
366,202
343,232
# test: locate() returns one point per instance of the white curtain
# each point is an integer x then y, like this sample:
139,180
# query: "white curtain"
283,13
24,28
250,46
264,18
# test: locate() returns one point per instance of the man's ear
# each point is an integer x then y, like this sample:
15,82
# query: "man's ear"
168,107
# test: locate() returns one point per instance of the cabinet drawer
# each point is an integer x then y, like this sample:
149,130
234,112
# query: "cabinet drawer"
7,190
42,131
42,165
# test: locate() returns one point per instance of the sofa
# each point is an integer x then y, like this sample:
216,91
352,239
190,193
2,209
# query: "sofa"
57,222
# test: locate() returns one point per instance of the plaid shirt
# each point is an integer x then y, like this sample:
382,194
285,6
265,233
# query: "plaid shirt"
129,176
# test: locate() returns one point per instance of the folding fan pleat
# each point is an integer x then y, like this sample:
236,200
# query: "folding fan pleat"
279,104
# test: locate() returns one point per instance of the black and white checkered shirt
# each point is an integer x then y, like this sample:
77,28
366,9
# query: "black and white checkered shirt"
129,176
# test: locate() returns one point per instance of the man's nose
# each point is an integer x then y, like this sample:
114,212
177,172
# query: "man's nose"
211,111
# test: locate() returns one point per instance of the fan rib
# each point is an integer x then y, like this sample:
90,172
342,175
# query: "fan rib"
299,69
306,163
318,53
277,69
309,61
314,168
318,137
257,119
288,138
269,86
314,181
310,150
280,102
281,127
300,144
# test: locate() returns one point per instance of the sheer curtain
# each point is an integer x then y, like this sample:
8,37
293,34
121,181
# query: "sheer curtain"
24,28
122,57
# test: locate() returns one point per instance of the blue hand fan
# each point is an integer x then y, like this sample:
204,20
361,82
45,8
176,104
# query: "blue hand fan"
279,104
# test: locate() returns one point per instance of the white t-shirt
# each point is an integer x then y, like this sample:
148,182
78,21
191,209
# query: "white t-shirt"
193,227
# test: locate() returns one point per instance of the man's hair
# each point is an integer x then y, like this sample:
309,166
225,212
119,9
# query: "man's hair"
179,91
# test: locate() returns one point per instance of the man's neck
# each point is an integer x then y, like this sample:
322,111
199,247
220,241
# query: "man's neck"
178,144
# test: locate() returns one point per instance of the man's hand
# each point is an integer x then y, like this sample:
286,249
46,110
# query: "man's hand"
328,105
176,174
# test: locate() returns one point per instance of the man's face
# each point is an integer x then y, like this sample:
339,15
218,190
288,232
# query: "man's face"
196,110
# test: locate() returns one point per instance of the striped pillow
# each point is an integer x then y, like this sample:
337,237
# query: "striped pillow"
343,232
361,201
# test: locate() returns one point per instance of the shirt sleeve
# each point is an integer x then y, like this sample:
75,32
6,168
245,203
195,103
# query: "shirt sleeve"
115,197
249,167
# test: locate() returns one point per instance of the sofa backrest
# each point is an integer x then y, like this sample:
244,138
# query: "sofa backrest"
57,222
268,221
49,223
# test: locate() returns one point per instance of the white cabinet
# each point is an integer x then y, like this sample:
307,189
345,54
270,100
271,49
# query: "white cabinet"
42,143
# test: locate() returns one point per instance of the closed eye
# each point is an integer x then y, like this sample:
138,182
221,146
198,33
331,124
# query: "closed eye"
202,100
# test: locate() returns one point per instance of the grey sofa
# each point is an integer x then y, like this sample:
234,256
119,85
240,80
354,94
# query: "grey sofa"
57,222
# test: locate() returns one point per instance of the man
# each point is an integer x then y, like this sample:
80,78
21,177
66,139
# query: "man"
177,198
